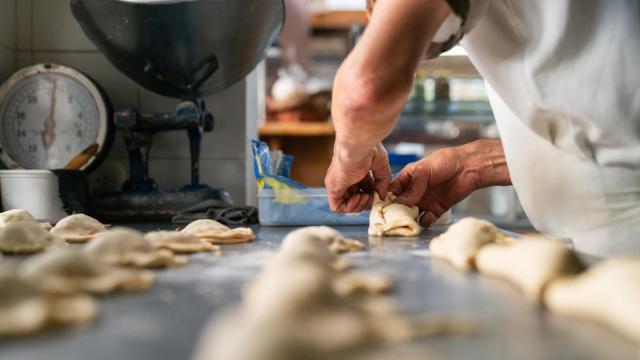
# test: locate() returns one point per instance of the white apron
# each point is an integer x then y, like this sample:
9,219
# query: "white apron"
564,84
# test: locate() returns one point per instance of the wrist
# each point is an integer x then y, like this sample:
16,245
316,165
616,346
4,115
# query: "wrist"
347,153
485,161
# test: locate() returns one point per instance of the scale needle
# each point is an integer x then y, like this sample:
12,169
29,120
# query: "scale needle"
48,134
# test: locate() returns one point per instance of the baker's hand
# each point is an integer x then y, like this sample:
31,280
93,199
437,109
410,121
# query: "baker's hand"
352,179
441,180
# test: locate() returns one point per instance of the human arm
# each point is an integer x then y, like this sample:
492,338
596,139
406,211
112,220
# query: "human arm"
441,180
370,90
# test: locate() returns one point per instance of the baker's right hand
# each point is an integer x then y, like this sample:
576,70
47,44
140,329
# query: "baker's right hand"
353,177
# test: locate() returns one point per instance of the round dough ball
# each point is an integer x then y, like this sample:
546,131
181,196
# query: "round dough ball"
22,309
179,242
24,237
289,289
78,228
127,247
69,271
15,215
462,241
217,233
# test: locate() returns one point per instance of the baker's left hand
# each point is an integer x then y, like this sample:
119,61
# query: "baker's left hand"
352,178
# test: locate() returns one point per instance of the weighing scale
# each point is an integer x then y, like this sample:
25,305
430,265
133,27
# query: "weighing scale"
185,49
49,114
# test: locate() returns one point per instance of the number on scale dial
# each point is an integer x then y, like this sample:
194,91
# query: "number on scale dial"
48,119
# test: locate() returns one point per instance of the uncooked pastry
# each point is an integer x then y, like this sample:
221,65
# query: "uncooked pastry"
180,243
357,283
25,237
608,293
292,311
15,215
462,241
529,264
69,271
217,233
391,219
127,247
78,228
332,238
24,309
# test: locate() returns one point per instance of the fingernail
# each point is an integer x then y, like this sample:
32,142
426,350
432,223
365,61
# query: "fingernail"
428,219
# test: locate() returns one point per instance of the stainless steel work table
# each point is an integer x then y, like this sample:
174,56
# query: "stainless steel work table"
164,323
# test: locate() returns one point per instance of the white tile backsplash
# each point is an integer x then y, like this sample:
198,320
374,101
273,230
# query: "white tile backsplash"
7,63
46,31
8,23
55,28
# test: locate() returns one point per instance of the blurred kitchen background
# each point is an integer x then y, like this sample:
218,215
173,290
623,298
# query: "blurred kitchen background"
285,102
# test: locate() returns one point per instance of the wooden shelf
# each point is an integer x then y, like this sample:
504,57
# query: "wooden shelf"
338,20
297,129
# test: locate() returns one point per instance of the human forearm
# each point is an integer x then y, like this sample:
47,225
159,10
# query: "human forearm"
485,162
373,83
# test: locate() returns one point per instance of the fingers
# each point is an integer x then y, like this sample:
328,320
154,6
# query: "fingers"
353,203
414,185
428,219
402,181
381,171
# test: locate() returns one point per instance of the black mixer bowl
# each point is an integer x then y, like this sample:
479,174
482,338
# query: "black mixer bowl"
182,48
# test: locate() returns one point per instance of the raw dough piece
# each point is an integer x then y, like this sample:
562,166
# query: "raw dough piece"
11,216
180,243
332,238
292,311
25,237
78,228
391,219
15,215
608,293
216,233
24,309
356,283
69,271
529,264
127,247
461,243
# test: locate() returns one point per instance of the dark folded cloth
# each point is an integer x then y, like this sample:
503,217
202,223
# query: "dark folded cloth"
74,192
219,211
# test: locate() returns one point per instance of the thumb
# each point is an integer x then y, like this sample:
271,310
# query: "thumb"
415,189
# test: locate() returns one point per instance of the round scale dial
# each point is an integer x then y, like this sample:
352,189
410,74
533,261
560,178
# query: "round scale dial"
48,115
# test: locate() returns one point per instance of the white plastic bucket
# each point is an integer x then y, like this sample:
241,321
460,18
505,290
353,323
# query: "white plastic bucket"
33,190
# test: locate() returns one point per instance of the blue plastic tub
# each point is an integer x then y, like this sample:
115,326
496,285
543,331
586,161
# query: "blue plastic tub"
314,212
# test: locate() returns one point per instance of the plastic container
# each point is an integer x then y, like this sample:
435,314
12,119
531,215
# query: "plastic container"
33,190
314,212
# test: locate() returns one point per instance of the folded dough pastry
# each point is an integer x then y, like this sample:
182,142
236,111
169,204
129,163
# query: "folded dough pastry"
332,238
127,247
529,264
217,233
180,243
25,309
390,219
299,308
78,228
69,271
462,241
608,293
15,215
25,237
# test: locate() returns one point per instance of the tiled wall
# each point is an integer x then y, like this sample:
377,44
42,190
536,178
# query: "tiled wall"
45,31
7,38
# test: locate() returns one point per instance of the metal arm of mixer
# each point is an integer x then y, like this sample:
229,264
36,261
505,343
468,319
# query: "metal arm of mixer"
138,135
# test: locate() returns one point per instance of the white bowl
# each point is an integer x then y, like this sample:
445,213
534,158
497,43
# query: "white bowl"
33,190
